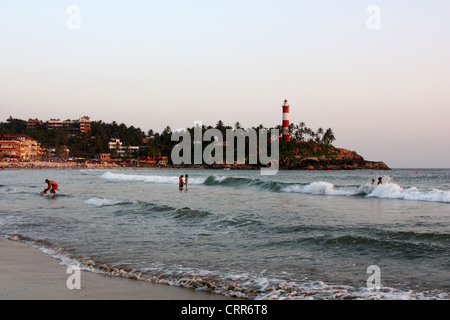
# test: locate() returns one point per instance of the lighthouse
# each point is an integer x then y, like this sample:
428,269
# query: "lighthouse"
286,135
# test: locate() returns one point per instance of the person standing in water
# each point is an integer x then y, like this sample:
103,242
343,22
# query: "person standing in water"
379,181
181,183
50,185
186,181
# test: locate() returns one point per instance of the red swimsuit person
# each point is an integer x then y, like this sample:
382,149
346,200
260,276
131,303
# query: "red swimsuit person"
51,185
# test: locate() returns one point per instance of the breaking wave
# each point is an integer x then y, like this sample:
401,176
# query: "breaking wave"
149,179
101,202
244,285
387,190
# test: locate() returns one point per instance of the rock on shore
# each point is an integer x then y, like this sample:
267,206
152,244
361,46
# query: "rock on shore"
331,158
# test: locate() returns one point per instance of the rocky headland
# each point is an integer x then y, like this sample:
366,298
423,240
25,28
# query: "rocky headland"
315,156
307,155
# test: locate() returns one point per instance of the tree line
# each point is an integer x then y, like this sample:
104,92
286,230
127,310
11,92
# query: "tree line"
152,143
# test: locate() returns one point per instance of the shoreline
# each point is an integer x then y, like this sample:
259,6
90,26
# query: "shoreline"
38,165
46,165
26,273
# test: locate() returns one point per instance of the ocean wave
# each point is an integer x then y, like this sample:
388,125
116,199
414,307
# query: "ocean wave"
102,202
244,285
387,190
189,213
407,248
143,208
321,188
143,205
394,191
150,179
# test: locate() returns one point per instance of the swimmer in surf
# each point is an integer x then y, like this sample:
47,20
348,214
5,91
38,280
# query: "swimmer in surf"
181,182
52,186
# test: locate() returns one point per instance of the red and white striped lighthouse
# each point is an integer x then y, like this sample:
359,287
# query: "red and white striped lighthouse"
286,135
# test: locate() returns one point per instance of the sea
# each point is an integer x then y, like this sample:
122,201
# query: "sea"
294,235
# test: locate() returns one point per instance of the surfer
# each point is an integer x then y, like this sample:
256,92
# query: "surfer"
379,181
52,186
186,181
181,182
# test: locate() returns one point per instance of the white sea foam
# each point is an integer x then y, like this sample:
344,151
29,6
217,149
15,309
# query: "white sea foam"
245,285
388,190
101,202
394,191
149,179
320,187
219,178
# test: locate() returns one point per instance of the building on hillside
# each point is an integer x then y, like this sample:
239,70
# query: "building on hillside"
122,151
30,149
84,124
9,146
20,147
114,144
81,125
56,123
34,123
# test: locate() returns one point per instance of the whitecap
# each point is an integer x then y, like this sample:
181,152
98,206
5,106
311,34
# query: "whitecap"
320,188
394,191
101,202
150,179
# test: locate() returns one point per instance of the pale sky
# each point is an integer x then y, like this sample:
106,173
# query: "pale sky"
384,90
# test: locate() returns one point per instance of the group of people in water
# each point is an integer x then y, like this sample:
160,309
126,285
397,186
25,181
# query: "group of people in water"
53,186
379,181
184,183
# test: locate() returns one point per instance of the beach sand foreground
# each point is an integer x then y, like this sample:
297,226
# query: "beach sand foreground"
28,274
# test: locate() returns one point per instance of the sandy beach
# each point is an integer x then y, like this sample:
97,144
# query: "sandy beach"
55,165
26,273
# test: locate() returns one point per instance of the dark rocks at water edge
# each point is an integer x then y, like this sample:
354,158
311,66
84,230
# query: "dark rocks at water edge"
308,156
322,163
314,156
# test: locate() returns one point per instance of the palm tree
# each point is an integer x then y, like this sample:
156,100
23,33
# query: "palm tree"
300,131
220,126
319,135
292,130
328,137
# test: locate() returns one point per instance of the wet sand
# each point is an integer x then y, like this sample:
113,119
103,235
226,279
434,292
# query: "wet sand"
27,273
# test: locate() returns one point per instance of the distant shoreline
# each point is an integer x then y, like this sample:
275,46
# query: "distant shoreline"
42,165
36,165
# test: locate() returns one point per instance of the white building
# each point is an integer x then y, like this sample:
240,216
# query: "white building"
116,144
